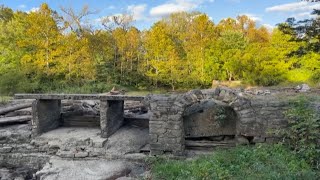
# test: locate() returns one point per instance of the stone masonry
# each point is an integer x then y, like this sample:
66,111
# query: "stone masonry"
45,115
175,117
255,117
46,110
111,117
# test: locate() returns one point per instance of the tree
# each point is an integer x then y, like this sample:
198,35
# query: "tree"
162,53
231,44
42,40
6,14
75,20
200,34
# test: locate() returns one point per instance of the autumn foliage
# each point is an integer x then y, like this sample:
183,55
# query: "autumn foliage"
44,50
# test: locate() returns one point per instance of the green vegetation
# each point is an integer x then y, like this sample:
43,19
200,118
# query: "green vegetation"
303,131
44,51
259,162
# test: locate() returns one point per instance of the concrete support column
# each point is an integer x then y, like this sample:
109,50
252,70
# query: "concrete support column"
46,116
111,116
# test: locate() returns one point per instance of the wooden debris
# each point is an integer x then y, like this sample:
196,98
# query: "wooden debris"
15,119
14,108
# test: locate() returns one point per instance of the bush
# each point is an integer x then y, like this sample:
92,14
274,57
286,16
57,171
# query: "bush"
15,82
303,130
259,162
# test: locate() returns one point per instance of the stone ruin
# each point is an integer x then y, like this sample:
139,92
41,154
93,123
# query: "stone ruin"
220,117
175,124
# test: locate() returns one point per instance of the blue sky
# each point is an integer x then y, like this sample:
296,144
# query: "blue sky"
146,12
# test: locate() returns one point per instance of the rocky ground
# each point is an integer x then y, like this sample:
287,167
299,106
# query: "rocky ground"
91,170
73,152
125,144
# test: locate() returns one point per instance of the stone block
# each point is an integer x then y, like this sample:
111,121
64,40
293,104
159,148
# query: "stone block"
65,154
258,139
96,152
81,154
240,140
6,149
99,143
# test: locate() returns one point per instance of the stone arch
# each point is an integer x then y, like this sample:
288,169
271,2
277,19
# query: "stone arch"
166,117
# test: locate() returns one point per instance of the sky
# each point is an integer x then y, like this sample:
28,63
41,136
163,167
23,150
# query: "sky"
146,12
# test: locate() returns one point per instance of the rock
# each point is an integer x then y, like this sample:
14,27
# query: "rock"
258,139
15,134
127,140
303,88
81,154
208,118
242,140
126,178
89,103
65,154
266,92
5,149
58,169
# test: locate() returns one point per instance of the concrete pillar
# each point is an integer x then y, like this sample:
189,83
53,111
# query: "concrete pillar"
111,116
46,116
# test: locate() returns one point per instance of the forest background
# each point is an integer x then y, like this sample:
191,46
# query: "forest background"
43,51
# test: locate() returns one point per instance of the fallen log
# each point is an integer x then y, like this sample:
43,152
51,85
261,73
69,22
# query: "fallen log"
14,108
16,119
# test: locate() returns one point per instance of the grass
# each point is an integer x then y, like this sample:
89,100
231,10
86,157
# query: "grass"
259,162
5,99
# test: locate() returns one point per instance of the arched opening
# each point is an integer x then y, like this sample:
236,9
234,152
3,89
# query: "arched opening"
209,124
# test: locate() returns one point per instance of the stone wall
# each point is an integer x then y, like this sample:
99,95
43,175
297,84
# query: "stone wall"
194,114
165,125
261,116
46,115
166,121
210,120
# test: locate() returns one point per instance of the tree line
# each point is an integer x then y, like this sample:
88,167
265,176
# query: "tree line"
43,50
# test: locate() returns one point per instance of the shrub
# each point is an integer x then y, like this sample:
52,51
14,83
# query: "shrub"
303,130
15,82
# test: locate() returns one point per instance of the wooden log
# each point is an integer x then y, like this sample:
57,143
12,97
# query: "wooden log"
16,119
15,107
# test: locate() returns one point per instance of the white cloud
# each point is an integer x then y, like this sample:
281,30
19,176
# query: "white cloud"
304,15
34,9
253,17
174,6
269,27
292,7
137,11
111,7
22,6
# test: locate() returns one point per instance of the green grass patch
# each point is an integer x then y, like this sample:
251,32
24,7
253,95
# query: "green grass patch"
5,99
259,162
